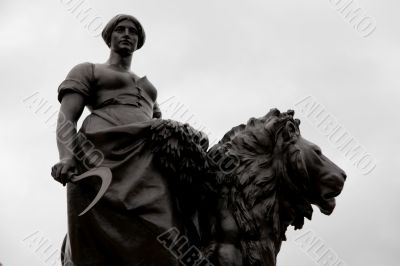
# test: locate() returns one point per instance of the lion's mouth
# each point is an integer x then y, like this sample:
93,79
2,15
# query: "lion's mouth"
332,187
328,202
327,206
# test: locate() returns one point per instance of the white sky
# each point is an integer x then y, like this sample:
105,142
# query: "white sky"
225,61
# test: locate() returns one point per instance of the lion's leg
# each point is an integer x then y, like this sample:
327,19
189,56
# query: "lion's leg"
228,251
229,255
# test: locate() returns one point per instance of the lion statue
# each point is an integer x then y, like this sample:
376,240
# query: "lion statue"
265,176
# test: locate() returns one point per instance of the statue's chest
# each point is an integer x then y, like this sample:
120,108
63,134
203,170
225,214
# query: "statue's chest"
109,81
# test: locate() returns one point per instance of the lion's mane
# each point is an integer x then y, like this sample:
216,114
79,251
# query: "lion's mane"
267,176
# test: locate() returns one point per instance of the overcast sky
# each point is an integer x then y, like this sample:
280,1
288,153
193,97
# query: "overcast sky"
222,62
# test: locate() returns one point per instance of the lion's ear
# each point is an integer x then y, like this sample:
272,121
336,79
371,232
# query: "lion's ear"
290,131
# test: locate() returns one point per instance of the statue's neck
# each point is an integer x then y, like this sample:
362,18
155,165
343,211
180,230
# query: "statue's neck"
121,61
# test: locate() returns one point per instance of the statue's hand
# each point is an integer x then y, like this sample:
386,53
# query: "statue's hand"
64,170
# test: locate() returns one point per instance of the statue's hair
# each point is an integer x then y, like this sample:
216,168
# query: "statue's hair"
110,26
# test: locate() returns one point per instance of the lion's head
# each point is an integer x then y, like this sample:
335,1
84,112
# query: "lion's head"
272,146
300,163
278,176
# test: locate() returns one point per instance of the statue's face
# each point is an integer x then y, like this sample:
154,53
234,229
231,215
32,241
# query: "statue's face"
124,38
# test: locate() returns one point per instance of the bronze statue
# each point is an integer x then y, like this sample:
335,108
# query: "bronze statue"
233,201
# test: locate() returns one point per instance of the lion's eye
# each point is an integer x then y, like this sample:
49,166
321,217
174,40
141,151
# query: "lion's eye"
318,151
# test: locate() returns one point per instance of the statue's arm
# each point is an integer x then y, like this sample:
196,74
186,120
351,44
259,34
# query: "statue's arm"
71,109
